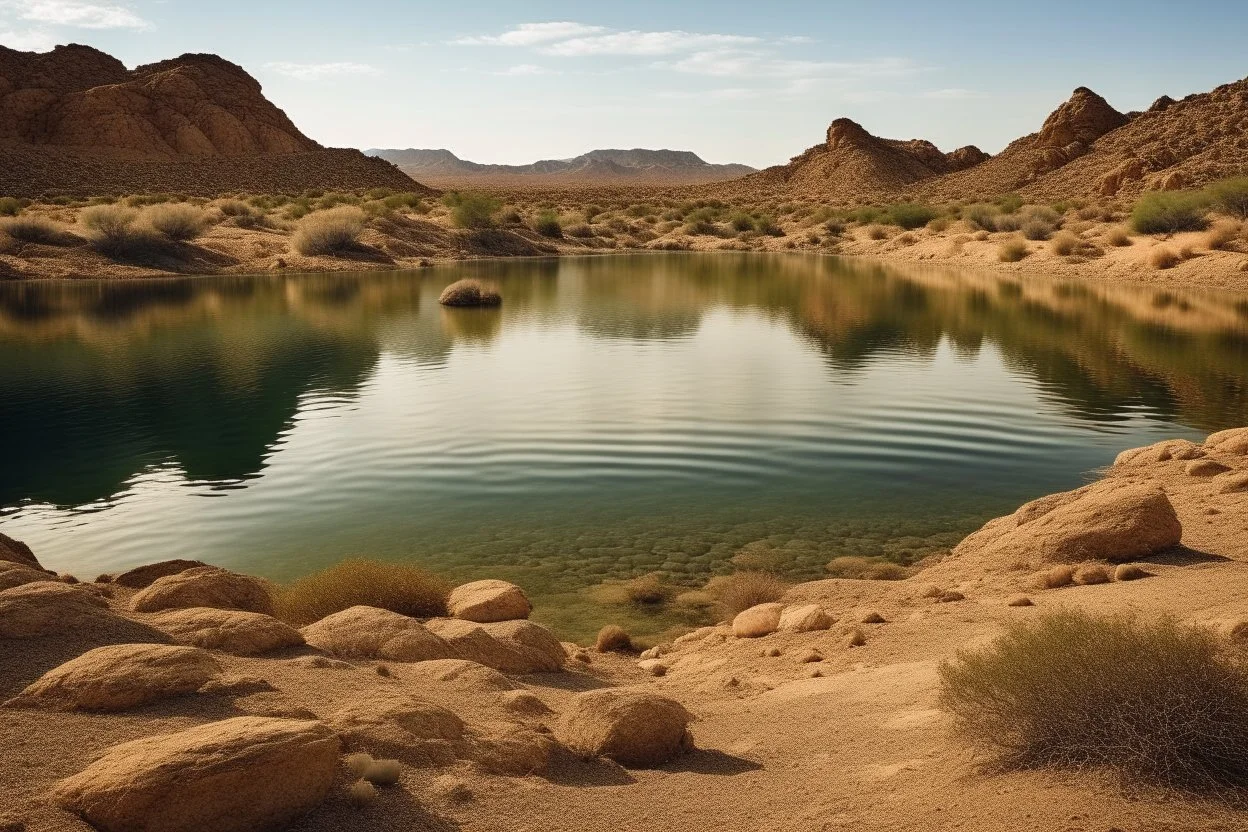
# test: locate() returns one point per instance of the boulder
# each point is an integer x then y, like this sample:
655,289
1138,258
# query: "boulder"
373,633
634,728
512,749
44,608
204,586
488,601
1104,521
1233,441
1019,601
119,677
1205,468
230,631
15,551
401,726
805,618
15,574
524,702
239,775
509,646
142,577
1232,483
757,621
461,674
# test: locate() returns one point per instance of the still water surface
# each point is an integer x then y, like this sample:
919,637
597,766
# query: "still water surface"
616,416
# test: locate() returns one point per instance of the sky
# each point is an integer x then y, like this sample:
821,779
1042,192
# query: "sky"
513,82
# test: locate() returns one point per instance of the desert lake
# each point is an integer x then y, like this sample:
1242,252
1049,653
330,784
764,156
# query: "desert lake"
616,416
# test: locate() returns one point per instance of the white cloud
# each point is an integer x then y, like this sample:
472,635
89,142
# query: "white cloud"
725,63
315,72
644,43
75,13
531,34
31,40
952,94
526,69
797,39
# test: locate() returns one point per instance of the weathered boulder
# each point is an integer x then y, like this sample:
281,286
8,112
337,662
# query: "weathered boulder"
15,574
757,621
373,633
119,677
461,674
204,586
1205,468
804,618
512,749
397,725
142,577
488,601
1104,521
50,608
633,728
230,631
1233,441
509,646
239,775
15,551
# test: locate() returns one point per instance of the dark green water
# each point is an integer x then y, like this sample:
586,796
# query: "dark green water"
616,416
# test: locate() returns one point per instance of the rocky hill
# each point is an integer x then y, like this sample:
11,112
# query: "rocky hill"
75,120
597,167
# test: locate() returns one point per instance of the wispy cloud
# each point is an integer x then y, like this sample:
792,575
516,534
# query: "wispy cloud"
31,40
644,43
757,64
951,94
315,72
76,14
531,34
526,69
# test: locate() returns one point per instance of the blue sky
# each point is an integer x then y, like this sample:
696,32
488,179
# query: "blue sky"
743,82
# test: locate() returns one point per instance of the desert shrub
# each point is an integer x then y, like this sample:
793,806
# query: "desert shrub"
1065,243
10,206
469,293
866,214
1009,203
398,587
877,232
113,230
233,208
766,224
834,227
647,590
471,210
175,220
939,225
865,568
1166,212
333,199
613,639
510,216
981,217
1011,251
1036,228
1222,234
406,199
741,222
591,211
1230,196
581,230
1159,701
547,224
1163,257
35,229
742,590
328,232
1118,236
911,215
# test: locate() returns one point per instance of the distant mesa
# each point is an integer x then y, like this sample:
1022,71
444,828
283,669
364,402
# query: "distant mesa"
76,121
443,168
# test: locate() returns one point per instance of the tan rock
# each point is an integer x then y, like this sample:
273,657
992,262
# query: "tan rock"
142,577
1019,601
15,574
873,617
15,551
655,667
757,621
809,656
524,702
509,646
949,596
512,749
806,618
855,638
373,633
460,674
230,631
44,608
399,725
240,775
119,677
488,601
1233,441
633,728
1205,468
1232,483
204,586
1104,521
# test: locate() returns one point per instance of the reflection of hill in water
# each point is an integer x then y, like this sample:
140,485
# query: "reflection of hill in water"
102,380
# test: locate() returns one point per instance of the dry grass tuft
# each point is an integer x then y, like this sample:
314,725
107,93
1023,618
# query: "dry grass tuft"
383,772
175,220
358,763
329,232
877,232
741,590
1065,243
1118,237
1011,251
1159,702
1163,257
1057,577
398,587
362,792
469,293
1091,575
112,230
613,639
647,590
866,568
38,230
1222,234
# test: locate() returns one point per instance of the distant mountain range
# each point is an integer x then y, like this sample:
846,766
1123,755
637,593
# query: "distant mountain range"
442,168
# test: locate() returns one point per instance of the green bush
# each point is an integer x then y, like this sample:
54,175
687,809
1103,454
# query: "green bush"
471,210
1167,212
911,215
547,224
741,222
982,217
1158,701
10,206
1230,196
1009,203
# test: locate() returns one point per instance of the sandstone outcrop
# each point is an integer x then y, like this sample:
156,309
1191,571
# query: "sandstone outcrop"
757,621
120,677
804,618
461,674
204,586
230,631
400,726
509,646
15,574
240,775
142,577
488,601
15,551
638,729
371,633
50,608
